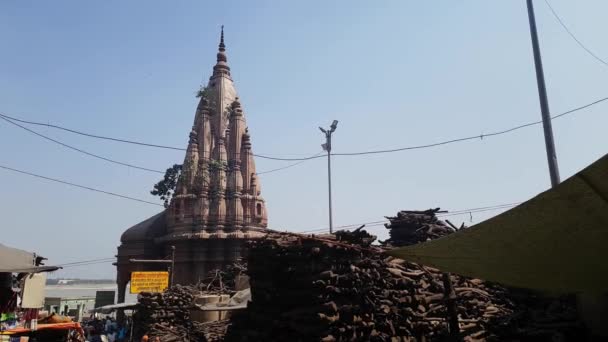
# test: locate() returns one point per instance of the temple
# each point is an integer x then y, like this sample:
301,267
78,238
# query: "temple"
216,205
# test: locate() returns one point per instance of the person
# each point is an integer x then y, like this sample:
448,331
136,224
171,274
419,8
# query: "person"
95,337
111,335
108,324
122,333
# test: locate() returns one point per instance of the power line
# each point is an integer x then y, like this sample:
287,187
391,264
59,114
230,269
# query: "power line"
119,139
354,225
480,209
92,135
89,264
288,166
79,186
371,224
77,149
415,147
473,137
9,120
561,22
7,117
448,214
86,261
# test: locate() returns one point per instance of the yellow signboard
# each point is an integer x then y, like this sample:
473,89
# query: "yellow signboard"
149,281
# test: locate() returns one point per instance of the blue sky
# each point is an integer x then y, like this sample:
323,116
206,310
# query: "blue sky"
394,73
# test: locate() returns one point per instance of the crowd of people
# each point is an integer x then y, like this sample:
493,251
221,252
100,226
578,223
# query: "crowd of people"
105,330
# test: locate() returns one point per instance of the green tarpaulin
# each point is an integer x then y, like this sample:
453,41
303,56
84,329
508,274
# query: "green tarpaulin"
556,241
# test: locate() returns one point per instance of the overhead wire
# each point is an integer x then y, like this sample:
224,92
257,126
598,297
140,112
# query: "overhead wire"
85,261
78,149
447,214
96,136
79,186
294,159
481,136
10,120
370,224
563,24
415,147
290,165
89,264
92,135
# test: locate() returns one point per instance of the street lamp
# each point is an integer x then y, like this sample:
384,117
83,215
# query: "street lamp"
327,147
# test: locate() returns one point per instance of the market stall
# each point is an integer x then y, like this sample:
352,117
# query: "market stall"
22,286
60,332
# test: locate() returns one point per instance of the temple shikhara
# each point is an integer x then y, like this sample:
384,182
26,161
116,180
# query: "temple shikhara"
216,205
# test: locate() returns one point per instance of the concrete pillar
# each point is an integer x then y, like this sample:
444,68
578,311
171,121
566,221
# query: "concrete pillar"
121,281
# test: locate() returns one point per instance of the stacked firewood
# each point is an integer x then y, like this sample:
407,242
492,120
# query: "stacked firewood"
306,289
411,227
535,317
166,315
213,331
222,281
357,237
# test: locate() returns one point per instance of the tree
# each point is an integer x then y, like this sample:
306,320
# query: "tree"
165,188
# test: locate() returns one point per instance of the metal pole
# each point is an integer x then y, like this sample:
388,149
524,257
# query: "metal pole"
172,263
331,223
544,103
452,313
327,147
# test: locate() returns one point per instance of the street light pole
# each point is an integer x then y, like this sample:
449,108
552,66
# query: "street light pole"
544,103
327,147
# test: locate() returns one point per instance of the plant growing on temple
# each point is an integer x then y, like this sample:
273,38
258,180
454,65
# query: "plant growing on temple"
204,92
166,186
216,165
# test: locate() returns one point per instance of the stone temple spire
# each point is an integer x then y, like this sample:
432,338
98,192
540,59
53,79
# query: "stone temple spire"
217,205
219,193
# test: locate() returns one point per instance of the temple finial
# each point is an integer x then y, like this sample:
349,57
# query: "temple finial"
222,45
221,67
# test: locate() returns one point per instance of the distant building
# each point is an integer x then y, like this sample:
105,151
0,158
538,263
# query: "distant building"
75,307
217,204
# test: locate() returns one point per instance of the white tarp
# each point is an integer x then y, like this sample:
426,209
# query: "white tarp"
14,260
34,291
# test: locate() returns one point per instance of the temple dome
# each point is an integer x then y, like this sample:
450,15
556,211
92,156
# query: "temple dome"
147,229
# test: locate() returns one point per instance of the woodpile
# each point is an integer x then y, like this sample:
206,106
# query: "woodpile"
166,315
342,288
357,237
309,289
213,331
222,281
411,227
535,317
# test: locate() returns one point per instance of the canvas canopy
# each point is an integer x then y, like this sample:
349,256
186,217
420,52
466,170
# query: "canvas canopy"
14,260
106,309
557,241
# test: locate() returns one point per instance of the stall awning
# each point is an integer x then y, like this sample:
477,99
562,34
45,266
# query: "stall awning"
14,260
113,307
556,241
42,327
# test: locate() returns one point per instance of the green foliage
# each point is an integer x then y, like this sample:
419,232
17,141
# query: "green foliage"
204,92
166,186
216,165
